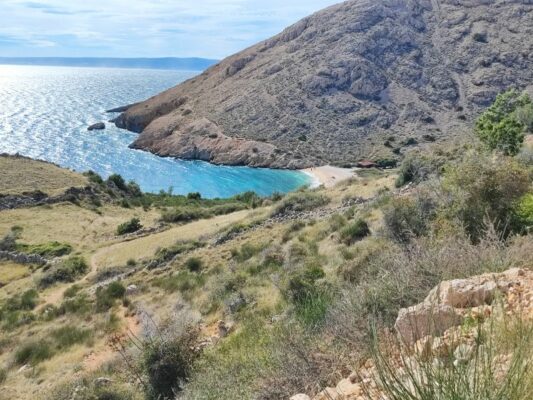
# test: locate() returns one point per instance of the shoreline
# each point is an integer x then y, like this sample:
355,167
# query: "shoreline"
328,175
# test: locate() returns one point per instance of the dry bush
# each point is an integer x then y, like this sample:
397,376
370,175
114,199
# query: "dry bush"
398,277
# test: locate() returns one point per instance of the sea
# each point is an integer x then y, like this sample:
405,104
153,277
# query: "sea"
45,112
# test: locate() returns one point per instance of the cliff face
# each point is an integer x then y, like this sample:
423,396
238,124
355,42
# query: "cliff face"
334,86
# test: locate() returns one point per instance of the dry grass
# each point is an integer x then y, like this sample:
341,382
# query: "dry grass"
21,174
10,272
67,223
146,247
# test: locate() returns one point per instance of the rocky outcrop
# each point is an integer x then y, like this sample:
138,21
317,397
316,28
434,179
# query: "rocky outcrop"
335,86
96,127
446,307
38,198
22,258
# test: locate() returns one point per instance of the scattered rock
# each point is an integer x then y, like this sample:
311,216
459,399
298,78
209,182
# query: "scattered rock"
224,328
97,126
300,396
102,381
132,290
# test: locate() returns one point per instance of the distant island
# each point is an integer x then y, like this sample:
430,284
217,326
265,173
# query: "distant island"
189,64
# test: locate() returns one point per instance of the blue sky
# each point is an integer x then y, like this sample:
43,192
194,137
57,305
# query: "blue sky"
143,28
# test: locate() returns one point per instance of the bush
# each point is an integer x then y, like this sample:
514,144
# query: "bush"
302,285
94,177
133,225
194,196
355,231
499,127
184,214
9,241
485,190
246,252
300,201
68,336
419,167
167,362
524,214
67,271
106,296
33,353
408,217
118,181
79,304
26,301
194,264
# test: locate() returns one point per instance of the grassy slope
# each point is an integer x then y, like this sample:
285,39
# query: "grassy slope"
92,235
20,174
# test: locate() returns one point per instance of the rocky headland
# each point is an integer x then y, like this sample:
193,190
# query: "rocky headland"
361,79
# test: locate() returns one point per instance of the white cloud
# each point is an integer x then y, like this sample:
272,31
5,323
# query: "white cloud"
135,28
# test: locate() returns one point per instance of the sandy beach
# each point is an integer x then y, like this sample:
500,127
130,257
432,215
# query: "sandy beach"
328,175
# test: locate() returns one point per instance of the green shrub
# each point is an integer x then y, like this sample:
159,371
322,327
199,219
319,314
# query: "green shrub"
355,231
26,301
33,353
302,284
79,304
71,291
184,214
94,177
107,296
246,252
167,254
133,225
483,190
194,264
118,181
194,196
182,281
524,114
524,214
3,375
66,271
300,201
134,189
51,249
499,127
68,336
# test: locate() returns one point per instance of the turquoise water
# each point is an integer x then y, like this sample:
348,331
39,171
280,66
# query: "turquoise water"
45,111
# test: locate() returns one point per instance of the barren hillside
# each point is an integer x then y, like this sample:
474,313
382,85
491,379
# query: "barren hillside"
362,79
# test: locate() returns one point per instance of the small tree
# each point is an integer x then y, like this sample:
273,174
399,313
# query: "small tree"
501,126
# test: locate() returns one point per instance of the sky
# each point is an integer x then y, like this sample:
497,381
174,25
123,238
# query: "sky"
143,28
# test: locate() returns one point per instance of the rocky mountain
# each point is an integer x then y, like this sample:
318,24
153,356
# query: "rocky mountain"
361,79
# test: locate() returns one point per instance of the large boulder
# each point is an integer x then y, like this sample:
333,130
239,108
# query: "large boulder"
425,319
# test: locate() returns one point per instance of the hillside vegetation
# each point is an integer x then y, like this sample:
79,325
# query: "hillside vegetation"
144,296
